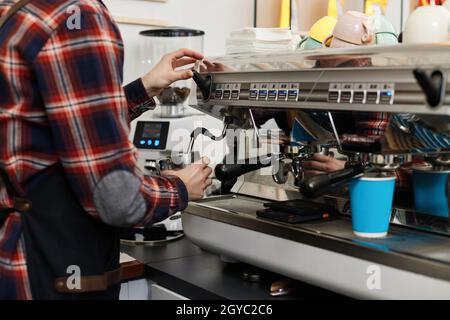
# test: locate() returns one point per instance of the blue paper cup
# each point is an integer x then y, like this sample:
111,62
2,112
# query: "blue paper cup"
371,201
430,192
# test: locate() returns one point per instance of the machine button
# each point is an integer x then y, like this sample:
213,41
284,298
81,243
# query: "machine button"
333,96
373,97
387,93
272,95
226,94
283,91
157,143
142,142
346,97
334,93
263,91
293,94
359,97
282,95
218,95
150,142
262,94
273,92
387,97
235,94
347,93
253,95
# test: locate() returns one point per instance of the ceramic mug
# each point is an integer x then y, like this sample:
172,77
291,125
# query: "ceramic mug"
385,34
427,24
309,43
386,39
353,29
320,31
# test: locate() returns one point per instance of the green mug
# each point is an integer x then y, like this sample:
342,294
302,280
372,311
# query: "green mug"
309,43
386,39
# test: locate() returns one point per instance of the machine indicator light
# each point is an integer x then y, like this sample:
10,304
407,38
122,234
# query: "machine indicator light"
142,142
150,142
157,143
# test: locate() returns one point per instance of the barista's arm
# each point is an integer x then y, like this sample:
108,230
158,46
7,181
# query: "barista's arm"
138,99
140,93
79,76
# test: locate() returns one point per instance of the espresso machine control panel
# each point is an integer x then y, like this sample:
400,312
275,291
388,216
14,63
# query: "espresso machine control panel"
362,93
345,93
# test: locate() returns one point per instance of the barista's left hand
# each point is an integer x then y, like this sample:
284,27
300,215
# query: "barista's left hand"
165,72
319,164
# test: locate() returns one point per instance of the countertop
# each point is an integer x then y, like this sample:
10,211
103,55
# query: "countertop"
185,269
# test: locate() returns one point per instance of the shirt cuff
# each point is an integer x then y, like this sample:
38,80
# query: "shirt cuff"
138,99
183,196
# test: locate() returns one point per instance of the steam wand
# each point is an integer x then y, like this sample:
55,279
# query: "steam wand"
228,120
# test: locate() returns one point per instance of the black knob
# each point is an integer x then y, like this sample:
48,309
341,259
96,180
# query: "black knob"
433,85
317,186
203,83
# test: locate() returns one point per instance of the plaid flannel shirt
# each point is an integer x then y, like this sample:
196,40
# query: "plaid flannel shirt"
61,100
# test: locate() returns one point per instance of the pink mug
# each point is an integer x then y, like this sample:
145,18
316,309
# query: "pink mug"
353,29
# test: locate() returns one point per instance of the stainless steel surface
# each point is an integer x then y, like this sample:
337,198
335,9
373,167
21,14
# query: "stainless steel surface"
305,93
360,278
425,253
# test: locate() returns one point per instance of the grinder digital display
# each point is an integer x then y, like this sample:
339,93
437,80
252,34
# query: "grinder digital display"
151,135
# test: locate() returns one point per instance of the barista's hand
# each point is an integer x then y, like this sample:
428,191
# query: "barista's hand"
196,177
165,72
319,164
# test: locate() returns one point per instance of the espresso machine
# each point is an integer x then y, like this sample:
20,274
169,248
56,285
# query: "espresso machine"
315,97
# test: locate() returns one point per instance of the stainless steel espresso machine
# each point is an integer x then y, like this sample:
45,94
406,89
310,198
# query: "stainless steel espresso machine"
315,97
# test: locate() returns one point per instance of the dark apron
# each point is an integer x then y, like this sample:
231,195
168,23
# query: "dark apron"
58,234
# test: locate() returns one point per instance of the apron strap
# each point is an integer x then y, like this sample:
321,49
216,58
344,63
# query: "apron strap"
20,204
91,283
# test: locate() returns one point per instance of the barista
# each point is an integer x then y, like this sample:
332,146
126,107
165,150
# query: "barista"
69,172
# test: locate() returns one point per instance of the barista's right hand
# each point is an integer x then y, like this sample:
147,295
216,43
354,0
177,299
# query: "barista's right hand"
196,178
167,71
320,164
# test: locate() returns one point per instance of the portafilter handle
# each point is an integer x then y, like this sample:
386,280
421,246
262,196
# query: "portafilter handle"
226,172
204,83
317,186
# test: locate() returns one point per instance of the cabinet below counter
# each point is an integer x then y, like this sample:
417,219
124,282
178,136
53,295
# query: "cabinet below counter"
180,270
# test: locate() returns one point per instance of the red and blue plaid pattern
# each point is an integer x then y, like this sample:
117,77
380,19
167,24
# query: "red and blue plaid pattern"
61,100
